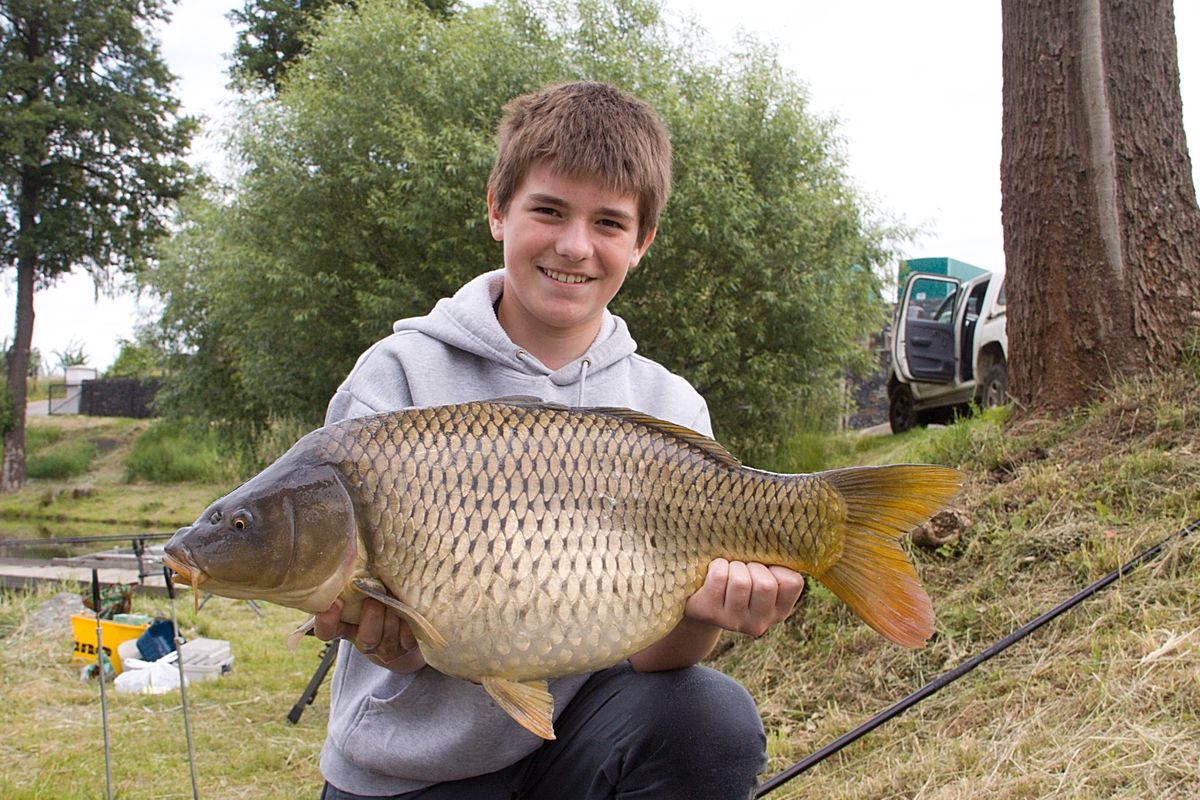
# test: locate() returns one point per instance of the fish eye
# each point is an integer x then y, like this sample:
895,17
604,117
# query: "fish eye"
242,520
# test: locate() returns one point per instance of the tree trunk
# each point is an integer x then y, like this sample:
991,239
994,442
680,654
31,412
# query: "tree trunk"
1101,228
12,473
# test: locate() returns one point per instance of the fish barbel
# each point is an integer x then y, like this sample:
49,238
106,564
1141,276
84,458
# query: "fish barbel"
524,541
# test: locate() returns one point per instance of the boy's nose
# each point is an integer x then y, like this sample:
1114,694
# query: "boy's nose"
574,241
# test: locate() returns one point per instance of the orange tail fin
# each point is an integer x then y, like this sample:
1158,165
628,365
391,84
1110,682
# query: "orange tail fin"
874,576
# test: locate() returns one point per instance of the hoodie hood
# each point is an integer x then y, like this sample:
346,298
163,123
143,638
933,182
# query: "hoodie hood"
467,321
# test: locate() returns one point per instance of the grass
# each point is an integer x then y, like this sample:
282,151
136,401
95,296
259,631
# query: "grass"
1102,702
98,499
52,747
64,461
175,452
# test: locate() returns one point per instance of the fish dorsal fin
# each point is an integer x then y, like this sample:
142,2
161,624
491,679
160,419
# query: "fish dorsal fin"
529,703
701,442
422,628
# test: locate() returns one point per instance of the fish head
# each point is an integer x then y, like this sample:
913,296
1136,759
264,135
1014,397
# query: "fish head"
289,536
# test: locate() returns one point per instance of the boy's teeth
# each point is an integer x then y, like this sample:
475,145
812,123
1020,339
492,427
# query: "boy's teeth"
563,277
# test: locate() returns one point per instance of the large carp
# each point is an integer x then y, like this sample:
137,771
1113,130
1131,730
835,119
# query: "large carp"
524,541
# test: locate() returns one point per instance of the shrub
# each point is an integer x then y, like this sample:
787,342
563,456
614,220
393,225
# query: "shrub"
63,461
171,452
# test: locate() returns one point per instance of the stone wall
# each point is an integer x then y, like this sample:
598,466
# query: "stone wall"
118,397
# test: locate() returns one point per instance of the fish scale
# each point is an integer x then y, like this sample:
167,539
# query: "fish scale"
524,541
553,513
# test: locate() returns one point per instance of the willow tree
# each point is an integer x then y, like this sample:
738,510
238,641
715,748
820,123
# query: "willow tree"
363,201
91,148
1101,227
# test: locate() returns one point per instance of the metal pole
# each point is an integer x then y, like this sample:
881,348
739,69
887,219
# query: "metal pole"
187,728
108,782
947,678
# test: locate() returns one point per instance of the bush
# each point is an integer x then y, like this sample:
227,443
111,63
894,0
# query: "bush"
65,461
172,452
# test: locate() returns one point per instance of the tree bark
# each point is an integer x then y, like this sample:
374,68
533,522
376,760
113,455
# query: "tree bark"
12,472
1101,227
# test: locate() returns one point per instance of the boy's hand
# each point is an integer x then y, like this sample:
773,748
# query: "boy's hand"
381,634
735,596
748,598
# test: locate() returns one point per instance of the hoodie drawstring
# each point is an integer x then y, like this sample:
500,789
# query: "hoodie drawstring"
583,371
583,368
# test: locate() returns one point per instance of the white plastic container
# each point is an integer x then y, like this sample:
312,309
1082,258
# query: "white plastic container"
205,659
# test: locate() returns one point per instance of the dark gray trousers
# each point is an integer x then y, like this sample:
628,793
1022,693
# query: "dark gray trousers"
688,734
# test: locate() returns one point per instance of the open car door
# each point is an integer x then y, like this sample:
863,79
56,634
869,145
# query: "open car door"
924,344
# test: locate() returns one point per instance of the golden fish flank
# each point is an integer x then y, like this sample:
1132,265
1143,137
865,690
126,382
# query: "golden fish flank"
524,541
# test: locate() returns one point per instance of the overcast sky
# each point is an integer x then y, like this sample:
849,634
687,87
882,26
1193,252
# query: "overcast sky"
914,85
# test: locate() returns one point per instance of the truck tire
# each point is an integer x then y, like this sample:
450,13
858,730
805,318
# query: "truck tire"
902,411
993,391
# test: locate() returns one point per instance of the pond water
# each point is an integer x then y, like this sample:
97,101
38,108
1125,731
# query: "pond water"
46,539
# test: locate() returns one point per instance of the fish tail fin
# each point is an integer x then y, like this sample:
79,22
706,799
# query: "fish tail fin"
873,575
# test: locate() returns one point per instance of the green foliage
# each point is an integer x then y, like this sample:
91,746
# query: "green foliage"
274,34
977,441
63,460
140,357
92,142
91,147
51,457
362,201
175,451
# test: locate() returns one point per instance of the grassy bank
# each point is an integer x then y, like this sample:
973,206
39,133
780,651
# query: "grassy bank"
80,484
1103,702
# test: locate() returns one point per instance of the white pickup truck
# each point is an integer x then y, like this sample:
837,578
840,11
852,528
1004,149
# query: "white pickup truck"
949,348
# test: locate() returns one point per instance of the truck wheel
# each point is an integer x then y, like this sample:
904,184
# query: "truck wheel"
902,412
994,390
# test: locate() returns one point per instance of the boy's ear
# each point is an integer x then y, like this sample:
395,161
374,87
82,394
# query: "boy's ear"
643,247
495,218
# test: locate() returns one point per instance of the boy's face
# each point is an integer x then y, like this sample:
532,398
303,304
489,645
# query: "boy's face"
568,244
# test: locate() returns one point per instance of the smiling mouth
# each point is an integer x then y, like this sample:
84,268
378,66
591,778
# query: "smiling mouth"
563,277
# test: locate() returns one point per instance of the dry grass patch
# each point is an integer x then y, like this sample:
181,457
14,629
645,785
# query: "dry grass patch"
1102,702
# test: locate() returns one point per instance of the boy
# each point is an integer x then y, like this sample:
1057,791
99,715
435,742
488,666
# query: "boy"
582,172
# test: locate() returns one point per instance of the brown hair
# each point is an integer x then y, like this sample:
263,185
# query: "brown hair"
586,129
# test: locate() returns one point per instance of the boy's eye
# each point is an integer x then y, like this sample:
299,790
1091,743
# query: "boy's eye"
612,223
546,210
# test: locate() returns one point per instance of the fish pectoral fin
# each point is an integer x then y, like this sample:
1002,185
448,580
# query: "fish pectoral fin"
422,628
529,703
293,639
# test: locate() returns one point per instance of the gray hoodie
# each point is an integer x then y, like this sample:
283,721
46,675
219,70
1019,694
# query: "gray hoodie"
392,733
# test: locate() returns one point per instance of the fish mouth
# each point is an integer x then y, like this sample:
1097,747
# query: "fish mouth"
188,572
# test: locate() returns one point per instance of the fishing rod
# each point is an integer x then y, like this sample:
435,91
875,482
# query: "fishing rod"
106,537
103,697
187,728
947,678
